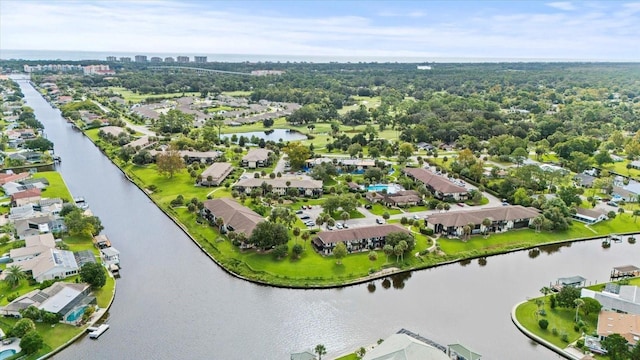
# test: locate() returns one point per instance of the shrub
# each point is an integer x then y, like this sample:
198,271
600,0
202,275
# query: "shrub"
12,297
580,344
554,331
564,337
543,323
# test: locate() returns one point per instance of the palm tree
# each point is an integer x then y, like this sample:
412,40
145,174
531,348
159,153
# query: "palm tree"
320,350
466,230
296,233
305,236
538,221
219,222
579,303
388,250
486,222
13,275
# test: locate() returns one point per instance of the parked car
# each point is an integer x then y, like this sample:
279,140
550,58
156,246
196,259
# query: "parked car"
329,227
416,217
611,203
305,217
368,206
379,221
345,226
310,223
338,226
298,212
460,204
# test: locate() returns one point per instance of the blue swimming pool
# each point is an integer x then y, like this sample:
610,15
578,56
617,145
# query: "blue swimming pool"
75,315
390,188
6,353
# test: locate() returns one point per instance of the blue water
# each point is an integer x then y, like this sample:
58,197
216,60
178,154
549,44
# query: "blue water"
75,315
378,187
7,353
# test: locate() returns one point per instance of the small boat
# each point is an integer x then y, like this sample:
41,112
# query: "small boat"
98,331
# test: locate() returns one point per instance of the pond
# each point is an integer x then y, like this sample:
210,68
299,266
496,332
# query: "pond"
273,135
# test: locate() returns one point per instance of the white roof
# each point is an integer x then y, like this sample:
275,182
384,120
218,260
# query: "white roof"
110,251
404,347
60,299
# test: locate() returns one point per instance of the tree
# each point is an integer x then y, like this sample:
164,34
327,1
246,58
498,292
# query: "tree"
169,162
388,250
538,221
320,350
31,342
305,236
345,216
386,215
405,150
396,237
93,274
616,346
486,222
373,256
635,352
339,252
398,251
296,250
543,323
297,153
268,234
602,157
519,155
40,144
567,295
466,231
22,327
590,306
13,275
296,232
578,303
361,352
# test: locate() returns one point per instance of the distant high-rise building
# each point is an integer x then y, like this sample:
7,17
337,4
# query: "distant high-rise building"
156,59
111,58
200,59
125,59
168,59
183,59
141,58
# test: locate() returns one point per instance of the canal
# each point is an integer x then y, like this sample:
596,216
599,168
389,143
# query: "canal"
174,302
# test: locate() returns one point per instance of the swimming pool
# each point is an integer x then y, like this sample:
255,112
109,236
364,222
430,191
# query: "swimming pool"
6,353
75,315
391,188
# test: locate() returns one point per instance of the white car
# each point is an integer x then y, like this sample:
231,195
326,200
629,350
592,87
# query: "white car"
339,226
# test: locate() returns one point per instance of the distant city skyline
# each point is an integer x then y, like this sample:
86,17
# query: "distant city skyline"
599,30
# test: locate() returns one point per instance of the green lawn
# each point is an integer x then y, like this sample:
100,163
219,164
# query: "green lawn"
352,356
379,209
238,93
559,318
53,336
621,168
130,96
57,187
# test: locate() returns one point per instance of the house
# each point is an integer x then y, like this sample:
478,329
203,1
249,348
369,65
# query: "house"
356,239
64,299
353,187
589,216
101,241
139,143
215,174
236,217
584,180
280,186
114,131
627,325
11,177
34,246
620,193
623,299
51,264
26,197
633,188
305,355
38,225
503,218
441,187
397,199
405,347
110,256
256,158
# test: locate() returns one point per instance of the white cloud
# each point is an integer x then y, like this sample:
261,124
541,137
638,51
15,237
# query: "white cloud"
562,5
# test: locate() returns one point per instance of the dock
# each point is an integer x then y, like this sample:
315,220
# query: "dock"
574,281
625,271
96,332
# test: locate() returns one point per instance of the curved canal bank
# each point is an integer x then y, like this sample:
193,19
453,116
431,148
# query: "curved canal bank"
174,303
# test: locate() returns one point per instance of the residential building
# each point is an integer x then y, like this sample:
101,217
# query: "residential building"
256,158
139,143
237,217
11,177
125,59
215,174
622,299
627,325
503,218
183,59
356,239
584,180
589,216
51,264
169,59
102,69
280,186
155,59
111,59
397,199
64,299
38,225
405,347
200,59
26,197
441,187
141,58
266,72
34,246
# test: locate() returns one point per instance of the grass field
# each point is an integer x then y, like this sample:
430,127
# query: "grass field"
57,187
130,96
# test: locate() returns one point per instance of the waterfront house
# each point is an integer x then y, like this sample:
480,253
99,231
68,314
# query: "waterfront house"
101,241
441,187
64,299
503,218
140,143
236,217
356,239
110,256
50,265
405,347
626,325
622,299
34,246
11,177
215,174
256,158
280,186
589,216
38,224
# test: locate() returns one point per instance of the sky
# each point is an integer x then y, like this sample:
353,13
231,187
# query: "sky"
577,30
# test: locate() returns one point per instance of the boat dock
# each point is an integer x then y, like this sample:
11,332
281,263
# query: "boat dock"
95,332
625,271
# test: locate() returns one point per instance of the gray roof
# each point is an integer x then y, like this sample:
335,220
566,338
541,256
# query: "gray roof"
465,352
404,347
217,171
500,213
359,233
280,183
257,155
436,182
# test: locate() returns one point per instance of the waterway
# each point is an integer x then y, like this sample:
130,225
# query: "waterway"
276,135
174,302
